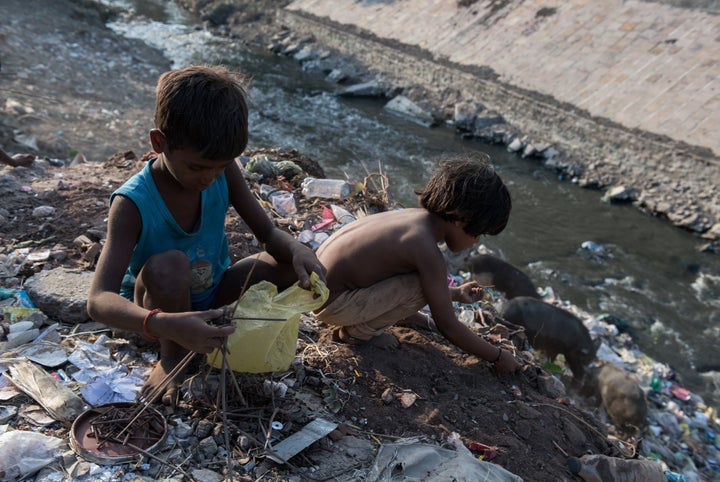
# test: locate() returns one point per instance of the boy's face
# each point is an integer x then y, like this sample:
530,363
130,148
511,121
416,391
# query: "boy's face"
187,167
457,239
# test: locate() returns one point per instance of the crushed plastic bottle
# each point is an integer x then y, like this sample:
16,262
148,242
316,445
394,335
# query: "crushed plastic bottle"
466,317
282,201
342,215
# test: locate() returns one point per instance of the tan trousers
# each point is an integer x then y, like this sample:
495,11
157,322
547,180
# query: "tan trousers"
366,312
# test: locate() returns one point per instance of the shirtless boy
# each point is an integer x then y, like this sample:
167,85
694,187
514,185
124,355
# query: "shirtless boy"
165,266
381,269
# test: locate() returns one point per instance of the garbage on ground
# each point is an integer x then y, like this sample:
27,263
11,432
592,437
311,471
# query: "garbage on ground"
103,380
682,430
327,188
298,441
117,433
60,402
430,463
601,468
22,453
342,215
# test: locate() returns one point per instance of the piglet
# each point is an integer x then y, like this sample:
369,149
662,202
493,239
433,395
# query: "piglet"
622,397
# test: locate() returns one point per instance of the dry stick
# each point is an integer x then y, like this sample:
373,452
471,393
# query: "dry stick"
574,416
226,362
268,432
560,448
224,410
225,367
254,318
177,467
159,389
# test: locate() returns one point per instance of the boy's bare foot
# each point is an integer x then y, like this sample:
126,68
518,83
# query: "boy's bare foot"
169,359
418,321
24,160
383,340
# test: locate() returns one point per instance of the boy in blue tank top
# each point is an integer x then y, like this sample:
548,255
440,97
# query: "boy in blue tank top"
165,268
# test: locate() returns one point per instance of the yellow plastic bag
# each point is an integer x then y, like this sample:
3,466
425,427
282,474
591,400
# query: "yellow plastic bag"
259,346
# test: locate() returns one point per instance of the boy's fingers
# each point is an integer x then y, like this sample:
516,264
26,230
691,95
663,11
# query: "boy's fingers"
216,313
227,329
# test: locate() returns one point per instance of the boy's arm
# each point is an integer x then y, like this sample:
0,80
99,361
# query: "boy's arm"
105,304
279,244
433,279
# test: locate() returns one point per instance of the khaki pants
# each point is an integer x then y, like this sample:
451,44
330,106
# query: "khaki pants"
366,312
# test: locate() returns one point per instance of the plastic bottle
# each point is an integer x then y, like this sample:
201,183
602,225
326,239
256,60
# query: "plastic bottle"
282,201
342,215
326,188
601,468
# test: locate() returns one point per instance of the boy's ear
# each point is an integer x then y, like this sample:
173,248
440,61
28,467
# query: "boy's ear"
158,141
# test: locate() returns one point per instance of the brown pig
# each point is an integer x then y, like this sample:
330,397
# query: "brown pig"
622,397
553,330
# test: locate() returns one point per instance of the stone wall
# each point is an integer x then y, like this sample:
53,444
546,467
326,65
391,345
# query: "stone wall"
674,179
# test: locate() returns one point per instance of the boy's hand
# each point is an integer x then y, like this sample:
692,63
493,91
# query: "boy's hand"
468,293
192,331
305,262
506,363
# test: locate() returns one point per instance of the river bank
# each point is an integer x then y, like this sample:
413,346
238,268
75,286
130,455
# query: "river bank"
665,177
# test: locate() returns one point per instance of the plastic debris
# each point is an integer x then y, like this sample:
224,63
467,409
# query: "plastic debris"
298,441
23,453
60,402
326,188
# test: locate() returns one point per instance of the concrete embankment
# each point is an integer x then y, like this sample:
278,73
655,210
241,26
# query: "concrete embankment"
627,91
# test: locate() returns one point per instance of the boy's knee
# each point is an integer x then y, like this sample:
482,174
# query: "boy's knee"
167,271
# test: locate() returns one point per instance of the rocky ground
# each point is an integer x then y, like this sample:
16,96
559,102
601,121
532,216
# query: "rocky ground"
85,93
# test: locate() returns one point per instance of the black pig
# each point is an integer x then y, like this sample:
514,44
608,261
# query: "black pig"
553,330
501,275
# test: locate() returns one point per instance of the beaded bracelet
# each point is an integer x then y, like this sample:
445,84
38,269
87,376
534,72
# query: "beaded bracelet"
149,315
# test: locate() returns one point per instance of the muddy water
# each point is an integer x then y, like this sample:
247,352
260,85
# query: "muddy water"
602,258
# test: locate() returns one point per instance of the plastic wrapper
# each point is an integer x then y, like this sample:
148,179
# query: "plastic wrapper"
259,345
24,453
59,401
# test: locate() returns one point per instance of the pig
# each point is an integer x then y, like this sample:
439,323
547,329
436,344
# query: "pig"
553,330
502,276
621,397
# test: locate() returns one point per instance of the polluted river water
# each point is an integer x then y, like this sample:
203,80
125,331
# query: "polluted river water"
603,258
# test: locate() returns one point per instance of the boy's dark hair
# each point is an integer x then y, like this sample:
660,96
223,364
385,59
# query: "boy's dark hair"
467,189
203,108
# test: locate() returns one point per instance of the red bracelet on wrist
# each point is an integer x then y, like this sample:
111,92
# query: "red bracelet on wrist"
149,315
500,351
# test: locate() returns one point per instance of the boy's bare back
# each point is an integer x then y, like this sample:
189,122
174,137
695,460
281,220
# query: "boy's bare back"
379,246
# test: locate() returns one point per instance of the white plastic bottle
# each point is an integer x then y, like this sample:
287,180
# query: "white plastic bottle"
326,188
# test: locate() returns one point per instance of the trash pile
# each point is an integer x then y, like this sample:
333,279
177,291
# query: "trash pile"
682,431
65,386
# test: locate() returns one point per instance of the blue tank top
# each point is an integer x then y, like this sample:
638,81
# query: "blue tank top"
206,246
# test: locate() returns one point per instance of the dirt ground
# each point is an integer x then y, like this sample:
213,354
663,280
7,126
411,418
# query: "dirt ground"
533,427
86,91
